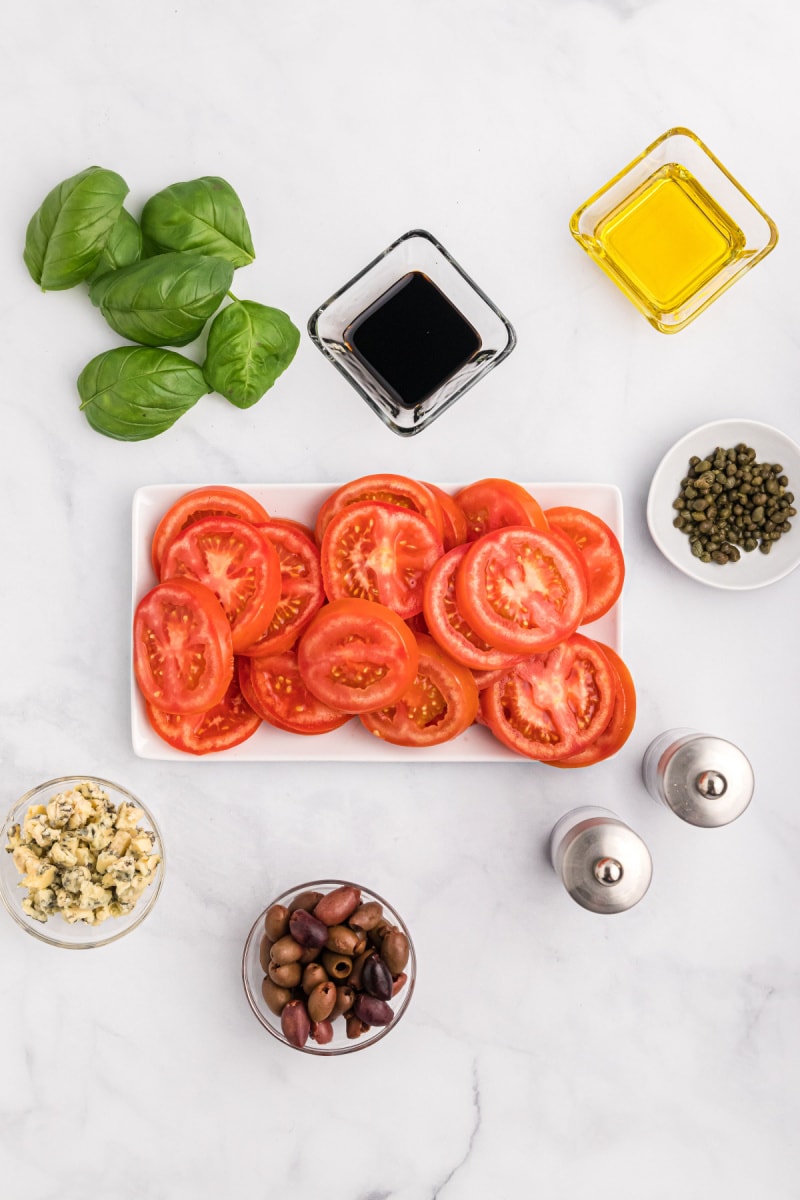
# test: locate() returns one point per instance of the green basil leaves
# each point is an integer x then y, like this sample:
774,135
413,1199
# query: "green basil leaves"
164,300
67,233
157,282
204,215
249,345
133,393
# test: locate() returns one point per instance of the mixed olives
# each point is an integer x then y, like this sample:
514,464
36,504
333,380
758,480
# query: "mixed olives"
327,955
730,502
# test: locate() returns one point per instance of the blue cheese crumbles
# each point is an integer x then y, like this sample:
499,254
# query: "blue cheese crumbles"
82,856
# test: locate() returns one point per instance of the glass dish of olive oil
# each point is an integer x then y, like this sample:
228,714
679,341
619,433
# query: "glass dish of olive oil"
674,230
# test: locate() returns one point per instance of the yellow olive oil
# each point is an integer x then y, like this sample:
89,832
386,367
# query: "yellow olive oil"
668,239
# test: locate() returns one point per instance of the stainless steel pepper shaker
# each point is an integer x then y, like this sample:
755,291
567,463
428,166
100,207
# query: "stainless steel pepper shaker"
705,780
603,864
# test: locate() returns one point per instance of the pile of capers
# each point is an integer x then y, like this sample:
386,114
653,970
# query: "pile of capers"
728,502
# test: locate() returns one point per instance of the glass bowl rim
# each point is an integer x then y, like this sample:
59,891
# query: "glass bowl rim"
146,901
328,1051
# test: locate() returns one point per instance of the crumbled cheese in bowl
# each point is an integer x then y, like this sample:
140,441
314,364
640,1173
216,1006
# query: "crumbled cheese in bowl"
82,856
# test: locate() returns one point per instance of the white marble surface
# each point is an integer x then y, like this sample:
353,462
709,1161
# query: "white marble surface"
547,1052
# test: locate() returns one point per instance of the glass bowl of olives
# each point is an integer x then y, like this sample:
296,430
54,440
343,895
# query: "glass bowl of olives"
328,967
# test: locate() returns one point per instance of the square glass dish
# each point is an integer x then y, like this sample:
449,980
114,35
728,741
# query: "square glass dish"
411,332
351,742
674,230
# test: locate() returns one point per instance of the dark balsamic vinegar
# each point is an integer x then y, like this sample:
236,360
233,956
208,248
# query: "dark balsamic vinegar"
412,338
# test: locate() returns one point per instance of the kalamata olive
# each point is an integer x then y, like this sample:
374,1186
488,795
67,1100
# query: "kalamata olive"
295,1023
321,1001
394,951
305,900
263,953
336,906
338,966
342,940
345,996
275,997
399,982
307,929
285,974
367,916
276,921
372,1010
322,1032
354,1026
313,975
376,978
286,950
354,978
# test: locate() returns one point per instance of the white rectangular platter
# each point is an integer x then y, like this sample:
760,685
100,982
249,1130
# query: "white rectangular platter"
350,743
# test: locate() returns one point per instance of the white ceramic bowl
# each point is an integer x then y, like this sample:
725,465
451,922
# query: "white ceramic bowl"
754,569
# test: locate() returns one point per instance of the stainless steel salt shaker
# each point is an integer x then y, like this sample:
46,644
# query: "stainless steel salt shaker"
705,780
603,864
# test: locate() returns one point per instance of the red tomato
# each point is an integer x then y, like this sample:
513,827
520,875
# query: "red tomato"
521,589
440,704
553,705
182,647
386,489
302,592
203,502
227,724
238,563
455,523
357,655
381,553
275,690
494,503
446,622
620,725
601,553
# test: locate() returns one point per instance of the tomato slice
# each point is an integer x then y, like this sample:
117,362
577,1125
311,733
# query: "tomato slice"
494,503
276,691
379,552
447,624
399,490
238,563
620,725
601,553
357,655
454,530
521,589
553,705
302,592
440,703
203,502
226,724
182,647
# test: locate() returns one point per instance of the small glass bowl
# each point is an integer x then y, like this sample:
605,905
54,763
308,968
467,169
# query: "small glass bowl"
416,252
253,974
56,931
674,230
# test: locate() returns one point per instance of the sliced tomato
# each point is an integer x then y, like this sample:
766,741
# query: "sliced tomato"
553,705
201,502
398,490
357,655
621,722
238,563
379,552
454,522
494,503
440,703
446,622
601,553
276,691
182,647
302,593
521,589
227,724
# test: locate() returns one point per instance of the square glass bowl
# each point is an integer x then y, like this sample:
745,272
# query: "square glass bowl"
412,332
674,230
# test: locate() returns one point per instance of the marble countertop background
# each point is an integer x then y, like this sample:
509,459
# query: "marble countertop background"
547,1051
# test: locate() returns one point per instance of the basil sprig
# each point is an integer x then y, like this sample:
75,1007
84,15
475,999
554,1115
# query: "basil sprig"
249,346
123,246
67,233
204,215
135,392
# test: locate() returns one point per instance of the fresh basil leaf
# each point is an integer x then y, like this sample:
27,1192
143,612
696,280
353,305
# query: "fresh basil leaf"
204,215
164,300
249,345
123,247
134,392
67,233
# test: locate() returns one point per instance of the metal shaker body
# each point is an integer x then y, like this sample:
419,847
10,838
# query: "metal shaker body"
705,780
602,863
